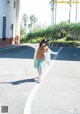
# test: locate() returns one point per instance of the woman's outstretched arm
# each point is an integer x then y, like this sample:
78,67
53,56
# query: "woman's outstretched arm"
52,52
32,45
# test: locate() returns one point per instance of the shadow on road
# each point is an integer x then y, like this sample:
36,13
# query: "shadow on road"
19,81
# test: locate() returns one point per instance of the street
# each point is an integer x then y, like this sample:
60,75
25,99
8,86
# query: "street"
16,78
59,93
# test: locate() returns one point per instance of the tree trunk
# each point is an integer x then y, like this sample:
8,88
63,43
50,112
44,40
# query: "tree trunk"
69,10
76,10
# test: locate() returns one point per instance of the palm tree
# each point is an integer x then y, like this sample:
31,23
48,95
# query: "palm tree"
24,20
70,10
76,10
55,10
33,20
53,4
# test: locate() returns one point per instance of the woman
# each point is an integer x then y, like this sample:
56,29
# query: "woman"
42,54
40,57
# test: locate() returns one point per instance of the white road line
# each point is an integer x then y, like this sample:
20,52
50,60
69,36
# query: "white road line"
27,109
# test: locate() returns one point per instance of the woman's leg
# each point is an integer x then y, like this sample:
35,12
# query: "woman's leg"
38,79
40,68
39,73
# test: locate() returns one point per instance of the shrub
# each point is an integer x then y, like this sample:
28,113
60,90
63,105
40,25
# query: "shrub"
64,29
37,40
69,37
78,38
65,44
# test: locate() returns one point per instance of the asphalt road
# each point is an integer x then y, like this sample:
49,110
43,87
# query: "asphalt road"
58,94
60,91
16,78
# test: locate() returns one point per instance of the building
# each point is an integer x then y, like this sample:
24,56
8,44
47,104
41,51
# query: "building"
9,22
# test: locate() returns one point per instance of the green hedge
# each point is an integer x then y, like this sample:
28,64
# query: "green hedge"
56,31
68,31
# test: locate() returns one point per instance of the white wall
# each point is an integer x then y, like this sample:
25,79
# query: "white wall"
17,18
9,11
11,16
3,11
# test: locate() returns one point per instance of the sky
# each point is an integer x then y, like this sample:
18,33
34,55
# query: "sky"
42,10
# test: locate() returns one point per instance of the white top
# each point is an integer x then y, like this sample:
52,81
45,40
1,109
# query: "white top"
47,54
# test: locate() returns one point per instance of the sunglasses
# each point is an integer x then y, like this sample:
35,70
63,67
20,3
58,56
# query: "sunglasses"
44,46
